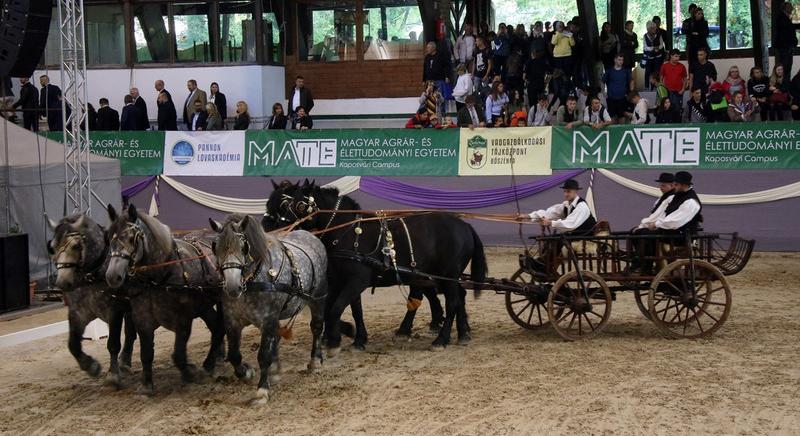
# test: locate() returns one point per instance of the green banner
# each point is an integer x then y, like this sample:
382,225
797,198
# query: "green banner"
139,153
352,152
702,146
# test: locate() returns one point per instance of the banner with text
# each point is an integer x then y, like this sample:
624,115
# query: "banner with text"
139,153
352,152
702,146
204,153
492,152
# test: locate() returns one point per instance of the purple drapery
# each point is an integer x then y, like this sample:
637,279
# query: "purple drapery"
137,187
430,198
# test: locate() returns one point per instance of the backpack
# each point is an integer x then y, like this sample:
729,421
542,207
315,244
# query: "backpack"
717,100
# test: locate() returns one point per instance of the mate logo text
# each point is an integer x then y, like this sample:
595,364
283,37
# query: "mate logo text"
182,152
476,152
304,153
649,146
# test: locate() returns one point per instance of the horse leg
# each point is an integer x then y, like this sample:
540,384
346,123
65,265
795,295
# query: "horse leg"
233,331
462,321
179,358
275,370
360,340
317,324
127,348
215,324
77,324
452,298
414,301
269,341
347,295
146,353
113,346
437,312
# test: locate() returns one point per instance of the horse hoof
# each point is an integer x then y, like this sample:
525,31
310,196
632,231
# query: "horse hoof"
94,369
359,347
146,390
464,341
333,352
315,366
261,398
274,379
249,374
125,369
275,368
113,380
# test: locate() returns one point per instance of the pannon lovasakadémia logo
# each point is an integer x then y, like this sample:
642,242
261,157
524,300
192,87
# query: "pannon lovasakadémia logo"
182,152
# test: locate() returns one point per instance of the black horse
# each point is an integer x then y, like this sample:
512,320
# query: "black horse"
382,251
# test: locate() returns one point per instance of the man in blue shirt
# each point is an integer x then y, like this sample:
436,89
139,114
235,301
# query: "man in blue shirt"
619,81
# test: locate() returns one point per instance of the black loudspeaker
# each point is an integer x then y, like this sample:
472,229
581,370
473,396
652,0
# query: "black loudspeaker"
14,273
24,25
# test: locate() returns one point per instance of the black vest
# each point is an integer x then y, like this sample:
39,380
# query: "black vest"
661,200
678,200
587,226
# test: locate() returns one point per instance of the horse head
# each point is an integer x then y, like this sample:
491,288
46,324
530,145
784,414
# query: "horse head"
136,239
78,246
241,243
289,203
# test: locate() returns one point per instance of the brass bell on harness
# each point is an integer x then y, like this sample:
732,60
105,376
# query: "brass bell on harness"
358,230
272,273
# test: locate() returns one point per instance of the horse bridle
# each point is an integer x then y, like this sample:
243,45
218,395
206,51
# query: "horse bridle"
298,209
63,247
241,262
138,237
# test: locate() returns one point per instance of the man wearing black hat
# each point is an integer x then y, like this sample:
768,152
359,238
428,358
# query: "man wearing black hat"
666,183
572,216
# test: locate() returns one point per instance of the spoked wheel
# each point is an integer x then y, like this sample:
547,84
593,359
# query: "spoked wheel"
686,305
571,314
641,296
527,310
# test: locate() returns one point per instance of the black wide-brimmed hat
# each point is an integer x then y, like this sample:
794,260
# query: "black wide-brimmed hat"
683,177
571,184
666,178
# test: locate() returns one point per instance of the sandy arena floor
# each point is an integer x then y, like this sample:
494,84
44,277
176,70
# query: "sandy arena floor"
629,380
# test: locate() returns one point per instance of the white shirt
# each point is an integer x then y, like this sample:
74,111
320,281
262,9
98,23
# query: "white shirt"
473,114
580,213
189,98
463,87
465,47
295,99
680,217
592,117
195,117
658,213
640,112
539,116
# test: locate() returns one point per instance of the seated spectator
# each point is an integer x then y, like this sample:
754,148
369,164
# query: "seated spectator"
568,114
213,120
469,116
674,75
464,86
619,81
702,73
518,116
495,104
658,85
130,115
242,120
666,113
758,89
696,108
516,102
794,91
734,83
447,123
717,103
278,119
302,121
739,110
197,121
432,99
596,114
539,115
107,118
779,99
640,108
420,120
434,122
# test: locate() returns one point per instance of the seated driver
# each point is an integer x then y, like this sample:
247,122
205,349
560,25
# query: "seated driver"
572,217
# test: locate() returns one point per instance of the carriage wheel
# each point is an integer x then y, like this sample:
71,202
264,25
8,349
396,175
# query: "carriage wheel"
641,296
682,309
527,310
572,316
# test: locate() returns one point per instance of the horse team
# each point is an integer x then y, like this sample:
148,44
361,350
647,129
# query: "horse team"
135,274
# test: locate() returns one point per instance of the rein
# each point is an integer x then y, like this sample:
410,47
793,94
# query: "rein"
143,268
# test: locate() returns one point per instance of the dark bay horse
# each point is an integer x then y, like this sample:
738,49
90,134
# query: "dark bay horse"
383,252
268,279
79,250
170,282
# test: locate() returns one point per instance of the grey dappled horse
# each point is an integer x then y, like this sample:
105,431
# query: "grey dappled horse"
79,250
170,282
268,279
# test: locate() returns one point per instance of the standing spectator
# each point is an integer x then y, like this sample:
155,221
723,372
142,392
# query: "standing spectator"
219,101
199,117
29,103
502,50
432,100
666,113
609,46
483,29
653,51
144,121
50,104
514,68
469,116
568,114
628,45
734,83
301,96
539,115
495,104
242,120
562,87
213,118
703,72
437,66
686,27
739,111
673,74
619,81
794,90
580,74
562,42
301,121
697,38
131,120
483,63
189,106
640,108
661,90
596,114
464,86
91,117
465,49
167,116
536,74
662,33
537,40
779,89
784,37
696,108
278,120
107,118
758,89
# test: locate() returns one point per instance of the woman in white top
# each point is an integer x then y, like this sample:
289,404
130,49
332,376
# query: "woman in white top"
495,103
463,86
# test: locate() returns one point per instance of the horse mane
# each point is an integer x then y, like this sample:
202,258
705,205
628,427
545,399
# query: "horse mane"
160,231
65,226
334,192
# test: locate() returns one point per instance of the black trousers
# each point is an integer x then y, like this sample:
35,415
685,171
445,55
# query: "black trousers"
30,120
645,249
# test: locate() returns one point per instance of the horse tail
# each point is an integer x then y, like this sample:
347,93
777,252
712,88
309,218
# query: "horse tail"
479,267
